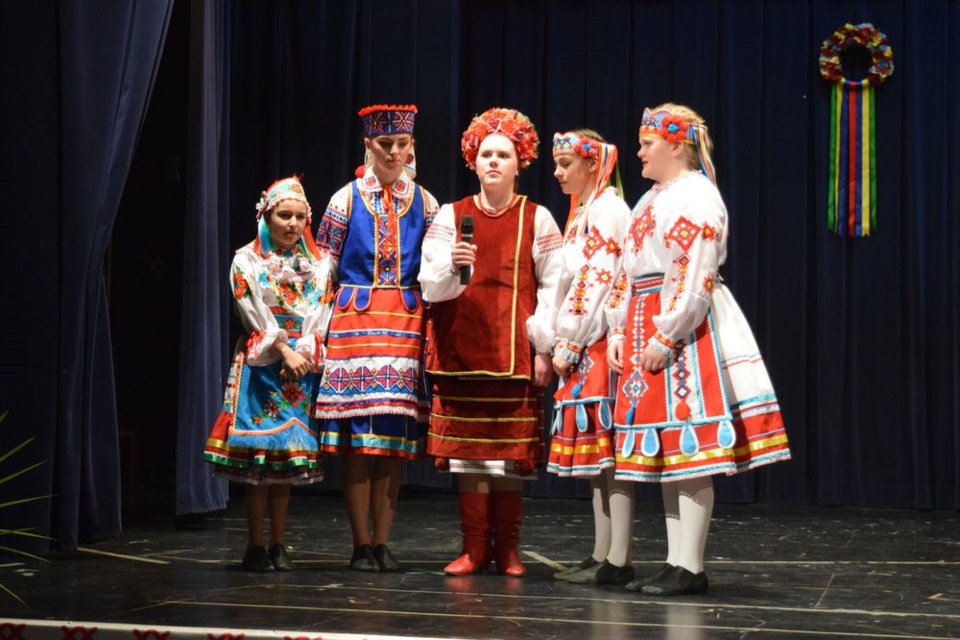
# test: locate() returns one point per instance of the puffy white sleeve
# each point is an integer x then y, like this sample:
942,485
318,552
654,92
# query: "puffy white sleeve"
430,208
317,309
580,319
693,233
254,312
331,236
547,240
439,281
618,299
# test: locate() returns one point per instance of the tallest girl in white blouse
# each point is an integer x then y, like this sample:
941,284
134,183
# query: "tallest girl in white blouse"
694,397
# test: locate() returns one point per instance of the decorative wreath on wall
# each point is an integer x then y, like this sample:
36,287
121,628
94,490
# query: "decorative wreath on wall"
849,35
852,186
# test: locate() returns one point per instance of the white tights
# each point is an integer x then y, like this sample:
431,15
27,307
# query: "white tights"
687,507
612,518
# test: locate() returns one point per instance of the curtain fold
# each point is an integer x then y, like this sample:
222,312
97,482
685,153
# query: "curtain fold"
108,62
82,74
205,345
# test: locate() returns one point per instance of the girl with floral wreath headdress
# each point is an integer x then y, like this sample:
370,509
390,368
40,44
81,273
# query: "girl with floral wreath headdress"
694,398
492,334
265,436
582,435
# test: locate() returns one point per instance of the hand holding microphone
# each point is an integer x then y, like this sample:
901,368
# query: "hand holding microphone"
464,253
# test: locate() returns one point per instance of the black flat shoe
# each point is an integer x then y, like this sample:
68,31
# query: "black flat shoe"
603,573
363,560
678,582
385,559
636,585
256,559
278,556
580,566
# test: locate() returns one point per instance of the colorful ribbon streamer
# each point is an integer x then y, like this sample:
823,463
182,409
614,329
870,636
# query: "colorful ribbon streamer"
852,190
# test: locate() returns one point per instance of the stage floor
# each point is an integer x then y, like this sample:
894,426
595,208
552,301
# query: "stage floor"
775,572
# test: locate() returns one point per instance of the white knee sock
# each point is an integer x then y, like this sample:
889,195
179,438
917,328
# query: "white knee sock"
696,507
621,519
671,519
601,513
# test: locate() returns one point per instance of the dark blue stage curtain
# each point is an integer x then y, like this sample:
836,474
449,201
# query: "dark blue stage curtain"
77,78
205,328
861,336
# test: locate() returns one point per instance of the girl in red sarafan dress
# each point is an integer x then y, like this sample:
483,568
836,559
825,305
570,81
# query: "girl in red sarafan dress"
491,338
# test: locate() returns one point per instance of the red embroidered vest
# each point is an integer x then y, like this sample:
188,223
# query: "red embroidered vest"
483,331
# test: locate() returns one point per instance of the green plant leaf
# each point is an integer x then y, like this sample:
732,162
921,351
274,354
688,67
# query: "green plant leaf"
22,471
16,448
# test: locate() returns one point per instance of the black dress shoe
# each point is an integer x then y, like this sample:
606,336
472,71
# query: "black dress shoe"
580,566
363,560
278,556
385,559
678,582
256,559
636,585
603,573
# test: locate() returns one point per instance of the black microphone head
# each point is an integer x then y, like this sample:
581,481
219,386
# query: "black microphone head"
466,228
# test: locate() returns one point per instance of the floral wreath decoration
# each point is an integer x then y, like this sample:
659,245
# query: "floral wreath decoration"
850,35
506,122
852,180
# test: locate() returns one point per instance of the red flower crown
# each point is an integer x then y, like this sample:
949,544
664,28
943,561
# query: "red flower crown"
507,122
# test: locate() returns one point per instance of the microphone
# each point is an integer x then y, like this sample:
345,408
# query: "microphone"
466,234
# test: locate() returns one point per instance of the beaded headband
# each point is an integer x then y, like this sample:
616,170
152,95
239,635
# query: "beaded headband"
507,122
570,143
674,128
385,120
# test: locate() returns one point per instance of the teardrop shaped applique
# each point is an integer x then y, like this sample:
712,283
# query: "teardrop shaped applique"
606,416
576,391
726,435
581,412
650,445
630,413
410,299
689,445
362,300
681,410
629,442
344,297
557,419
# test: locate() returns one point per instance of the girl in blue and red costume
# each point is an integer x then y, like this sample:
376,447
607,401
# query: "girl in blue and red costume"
371,399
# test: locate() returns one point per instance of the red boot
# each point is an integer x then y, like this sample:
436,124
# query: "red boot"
474,509
506,506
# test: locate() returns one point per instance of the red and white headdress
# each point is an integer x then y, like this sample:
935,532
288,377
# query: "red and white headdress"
507,122
674,128
570,143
